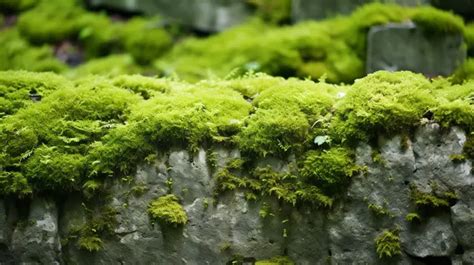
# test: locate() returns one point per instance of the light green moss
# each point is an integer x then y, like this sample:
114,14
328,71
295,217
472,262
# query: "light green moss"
387,244
167,209
18,54
112,65
437,21
434,199
413,217
276,261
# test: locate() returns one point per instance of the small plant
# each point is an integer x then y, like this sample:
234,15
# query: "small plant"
434,199
457,158
387,244
265,210
279,260
413,217
378,158
379,210
90,243
168,210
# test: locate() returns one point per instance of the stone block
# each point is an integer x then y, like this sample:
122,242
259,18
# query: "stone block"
396,47
203,15
321,9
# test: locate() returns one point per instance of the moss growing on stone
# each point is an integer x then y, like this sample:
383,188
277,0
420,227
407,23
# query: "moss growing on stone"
167,209
279,260
438,21
434,199
387,244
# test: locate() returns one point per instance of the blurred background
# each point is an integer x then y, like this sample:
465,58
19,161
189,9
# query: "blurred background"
337,40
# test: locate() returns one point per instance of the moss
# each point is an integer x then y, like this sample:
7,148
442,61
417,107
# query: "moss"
434,199
379,210
437,21
330,170
273,11
387,244
457,158
335,47
17,86
145,40
382,103
55,26
167,209
113,65
413,217
18,54
279,260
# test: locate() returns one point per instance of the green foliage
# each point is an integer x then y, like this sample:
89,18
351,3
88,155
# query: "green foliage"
279,260
413,217
273,11
330,170
167,209
434,199
18,54
387,244
379,210
145,41
457,158
437,21
16,87
382,103
112,65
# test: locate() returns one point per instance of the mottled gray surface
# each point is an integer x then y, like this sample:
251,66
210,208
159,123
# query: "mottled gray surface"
396,47
205,15
221,227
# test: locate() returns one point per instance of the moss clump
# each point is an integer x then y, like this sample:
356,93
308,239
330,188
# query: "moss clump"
18,54
112,65
276,261
335,47
387,244
330,170
382,103
413,217
437,21
273,11
167,209
434,199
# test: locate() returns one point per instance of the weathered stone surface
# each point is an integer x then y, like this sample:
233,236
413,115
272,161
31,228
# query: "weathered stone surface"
397,47
222,227
434,237
463,224
205,15
37,241
320,9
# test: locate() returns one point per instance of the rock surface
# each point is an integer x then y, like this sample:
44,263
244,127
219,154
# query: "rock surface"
228,226
397,47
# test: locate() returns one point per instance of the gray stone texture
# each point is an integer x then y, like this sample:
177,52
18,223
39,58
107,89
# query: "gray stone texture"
204,15
396,47
227,225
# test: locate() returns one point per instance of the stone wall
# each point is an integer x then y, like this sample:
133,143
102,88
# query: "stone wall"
219,228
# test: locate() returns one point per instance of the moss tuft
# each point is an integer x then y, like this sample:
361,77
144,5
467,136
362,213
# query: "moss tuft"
279,260
387,244
167,209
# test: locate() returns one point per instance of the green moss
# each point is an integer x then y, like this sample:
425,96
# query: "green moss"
55,26
379,210
273,11
387,244
279,260
382,103
167,209
113,65
330,170
16,87
434,199
413,217
438,21
145,40
457,158
18,54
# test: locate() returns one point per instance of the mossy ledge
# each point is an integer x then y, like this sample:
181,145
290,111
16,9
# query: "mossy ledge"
97,127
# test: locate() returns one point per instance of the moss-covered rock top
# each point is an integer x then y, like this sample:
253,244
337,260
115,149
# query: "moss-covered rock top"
334,48
87,130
